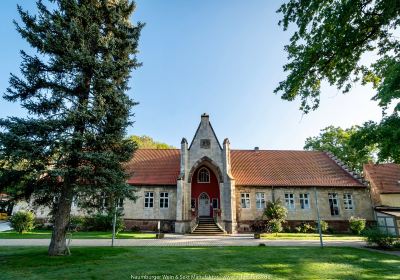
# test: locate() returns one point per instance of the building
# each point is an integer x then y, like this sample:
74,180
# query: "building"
207,178
384,181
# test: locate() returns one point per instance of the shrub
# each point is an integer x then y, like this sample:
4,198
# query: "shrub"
275,211
374,236
259,226
22,221
357,225
275,226
76,223
305,228
324,226
135,229
103,222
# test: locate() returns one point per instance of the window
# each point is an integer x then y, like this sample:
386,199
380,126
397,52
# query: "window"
245,200
164,200
120,202
193,203
148,199
260,200
104,200
333,204
304,200
215,203
289,201
348,201
203,176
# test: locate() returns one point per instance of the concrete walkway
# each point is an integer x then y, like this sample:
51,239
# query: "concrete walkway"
185,240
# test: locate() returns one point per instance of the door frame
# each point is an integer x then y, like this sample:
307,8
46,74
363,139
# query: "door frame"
198,212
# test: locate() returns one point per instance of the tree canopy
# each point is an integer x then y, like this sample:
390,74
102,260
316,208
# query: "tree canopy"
72,144
339,142
331,38
328,44
146,142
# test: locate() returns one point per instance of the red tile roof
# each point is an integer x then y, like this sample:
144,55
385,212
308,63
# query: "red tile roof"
288,168
249,167
154,167
385,177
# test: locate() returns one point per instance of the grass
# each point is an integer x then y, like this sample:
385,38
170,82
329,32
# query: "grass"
191,262
310,236
45,234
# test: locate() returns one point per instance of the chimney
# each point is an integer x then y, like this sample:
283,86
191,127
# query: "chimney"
256,149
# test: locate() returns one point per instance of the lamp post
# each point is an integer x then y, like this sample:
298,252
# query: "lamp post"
319,219
114,222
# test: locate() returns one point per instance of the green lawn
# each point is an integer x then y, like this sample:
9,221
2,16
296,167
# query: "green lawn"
43,234
310,236
189,262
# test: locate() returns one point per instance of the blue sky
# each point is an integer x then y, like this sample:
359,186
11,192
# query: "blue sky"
221,57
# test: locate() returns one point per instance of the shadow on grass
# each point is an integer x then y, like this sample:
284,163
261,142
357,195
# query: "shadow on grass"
246,262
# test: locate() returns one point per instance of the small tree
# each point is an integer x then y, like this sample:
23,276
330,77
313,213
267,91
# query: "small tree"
275,211
276,214
357,225
23,221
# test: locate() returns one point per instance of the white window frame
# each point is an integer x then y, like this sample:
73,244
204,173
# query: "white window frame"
289,201
203,176
148,199
304,199
245,200
120,202
164,200
334,198
260,200
348,201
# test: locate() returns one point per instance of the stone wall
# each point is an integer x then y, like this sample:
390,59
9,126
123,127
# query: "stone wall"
362,206
137,211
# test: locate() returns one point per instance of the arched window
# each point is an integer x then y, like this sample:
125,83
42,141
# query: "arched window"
203,176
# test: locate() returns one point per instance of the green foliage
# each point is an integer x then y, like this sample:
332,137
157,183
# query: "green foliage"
305,228
329,41
330,38
275,211
22,221
324,226
146,142
275,225
76,223
374,236
338,141
384,135
103,222
74,91
357,225
259,226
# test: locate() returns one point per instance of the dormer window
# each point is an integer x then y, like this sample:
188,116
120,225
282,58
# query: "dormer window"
203,176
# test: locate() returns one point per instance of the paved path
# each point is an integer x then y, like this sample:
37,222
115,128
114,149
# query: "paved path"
184,240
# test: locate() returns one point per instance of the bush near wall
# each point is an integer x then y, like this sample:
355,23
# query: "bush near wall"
357,225
374,236
23,221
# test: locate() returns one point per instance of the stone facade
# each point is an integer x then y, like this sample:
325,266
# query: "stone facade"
222,194
360,200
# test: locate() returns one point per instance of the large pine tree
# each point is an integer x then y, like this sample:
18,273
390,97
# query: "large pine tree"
74,90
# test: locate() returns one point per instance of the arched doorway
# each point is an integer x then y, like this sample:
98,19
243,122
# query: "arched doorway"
205,193
204,205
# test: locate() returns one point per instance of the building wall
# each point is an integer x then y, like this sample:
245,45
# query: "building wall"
392,199
361,204
137,211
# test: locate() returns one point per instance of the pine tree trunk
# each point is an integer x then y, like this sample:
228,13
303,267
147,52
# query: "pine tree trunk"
58,246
